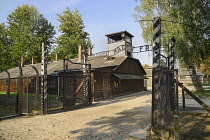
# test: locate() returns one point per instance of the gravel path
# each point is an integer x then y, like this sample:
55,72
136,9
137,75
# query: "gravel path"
111,119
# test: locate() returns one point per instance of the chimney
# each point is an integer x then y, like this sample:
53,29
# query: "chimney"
56,57
79,52
22,61
32,60
89,51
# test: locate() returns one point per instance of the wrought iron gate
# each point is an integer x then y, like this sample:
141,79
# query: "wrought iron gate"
75,89
73,86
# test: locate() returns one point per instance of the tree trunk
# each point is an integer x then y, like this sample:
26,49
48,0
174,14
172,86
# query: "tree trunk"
196,81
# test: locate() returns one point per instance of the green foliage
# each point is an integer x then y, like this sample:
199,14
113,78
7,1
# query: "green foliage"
200,94
73,34
188,21
146,66
5,58
205,67
27,29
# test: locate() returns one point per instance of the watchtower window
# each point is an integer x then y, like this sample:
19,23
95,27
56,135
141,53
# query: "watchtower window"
119,36
120,44
110,40
127,39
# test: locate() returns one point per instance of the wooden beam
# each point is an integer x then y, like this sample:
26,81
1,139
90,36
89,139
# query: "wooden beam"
183,99
194,97
79,87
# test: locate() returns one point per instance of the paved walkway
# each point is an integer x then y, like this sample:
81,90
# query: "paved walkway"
111,119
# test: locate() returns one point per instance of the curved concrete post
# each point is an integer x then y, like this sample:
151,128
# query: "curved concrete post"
37,82
8,83
19,92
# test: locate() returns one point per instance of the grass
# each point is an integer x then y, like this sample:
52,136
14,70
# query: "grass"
11,93
51,97
204,93
202,84
205,84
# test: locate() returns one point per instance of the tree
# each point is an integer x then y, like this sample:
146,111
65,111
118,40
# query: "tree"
146,66
5,61
28,29
188,21
205,67
73,34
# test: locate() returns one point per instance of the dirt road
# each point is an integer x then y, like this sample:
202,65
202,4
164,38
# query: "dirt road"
111,119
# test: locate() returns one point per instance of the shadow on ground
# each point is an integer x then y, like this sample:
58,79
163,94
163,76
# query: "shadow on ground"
116,128
122,98
194,124
119,126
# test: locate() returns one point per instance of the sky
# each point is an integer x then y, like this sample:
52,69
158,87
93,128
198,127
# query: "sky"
100,17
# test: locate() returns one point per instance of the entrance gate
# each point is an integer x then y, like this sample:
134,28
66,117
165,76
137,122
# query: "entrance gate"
164,85
73,87
76,85
70,91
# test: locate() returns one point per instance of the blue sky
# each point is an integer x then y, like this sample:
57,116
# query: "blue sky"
100,17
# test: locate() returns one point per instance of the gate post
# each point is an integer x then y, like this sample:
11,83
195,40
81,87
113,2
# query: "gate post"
89,86
44,79
85,79
37,82
164,97
19,91
174,100
156,79
156,42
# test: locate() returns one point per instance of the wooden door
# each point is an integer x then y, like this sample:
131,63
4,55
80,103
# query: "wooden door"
105,87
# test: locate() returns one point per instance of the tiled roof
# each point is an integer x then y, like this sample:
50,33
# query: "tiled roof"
95,61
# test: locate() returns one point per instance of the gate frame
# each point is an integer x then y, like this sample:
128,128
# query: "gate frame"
86,75
161,95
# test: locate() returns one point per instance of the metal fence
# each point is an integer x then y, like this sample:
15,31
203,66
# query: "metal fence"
28,94
64,91
21,96
7,105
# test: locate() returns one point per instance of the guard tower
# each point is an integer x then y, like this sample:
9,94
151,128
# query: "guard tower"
120,43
